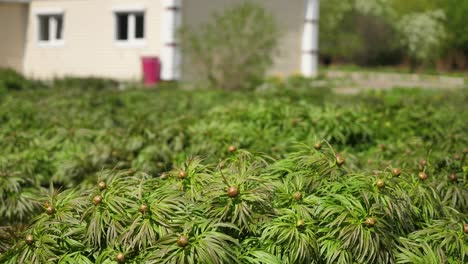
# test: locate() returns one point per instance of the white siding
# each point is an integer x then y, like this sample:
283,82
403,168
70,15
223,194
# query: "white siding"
89,47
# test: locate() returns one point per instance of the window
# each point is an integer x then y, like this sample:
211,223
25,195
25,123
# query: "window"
50,28
122,26
130,27
139,26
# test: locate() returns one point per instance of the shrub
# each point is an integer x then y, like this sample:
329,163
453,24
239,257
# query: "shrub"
93,83
11,80
233,49
123,183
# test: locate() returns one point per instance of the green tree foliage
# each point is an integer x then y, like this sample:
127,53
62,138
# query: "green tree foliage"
424,34
388,31
349,30
456,11
403,8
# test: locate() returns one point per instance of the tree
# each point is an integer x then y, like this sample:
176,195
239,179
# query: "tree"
423,35
233,49
457,11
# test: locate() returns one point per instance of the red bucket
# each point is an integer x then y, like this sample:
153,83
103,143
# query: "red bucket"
151,70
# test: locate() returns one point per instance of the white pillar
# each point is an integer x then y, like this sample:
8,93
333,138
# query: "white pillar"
170,52
309,58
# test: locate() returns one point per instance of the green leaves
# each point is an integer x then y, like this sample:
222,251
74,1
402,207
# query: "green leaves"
301,209
251,205
206,244
442,240
275,199
291,238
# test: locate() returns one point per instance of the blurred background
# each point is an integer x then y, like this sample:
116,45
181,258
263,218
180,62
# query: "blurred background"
415,34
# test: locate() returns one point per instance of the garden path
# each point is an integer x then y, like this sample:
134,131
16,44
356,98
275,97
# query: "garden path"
354,82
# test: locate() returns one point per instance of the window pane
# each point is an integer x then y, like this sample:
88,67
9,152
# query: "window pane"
59,19
43,28
122,26
139,25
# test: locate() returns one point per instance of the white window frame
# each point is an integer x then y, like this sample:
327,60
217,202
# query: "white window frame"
53,41
131,11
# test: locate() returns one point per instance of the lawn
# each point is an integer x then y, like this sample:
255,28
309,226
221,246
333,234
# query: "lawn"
286,173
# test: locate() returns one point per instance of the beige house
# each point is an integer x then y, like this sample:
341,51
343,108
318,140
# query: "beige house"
107,38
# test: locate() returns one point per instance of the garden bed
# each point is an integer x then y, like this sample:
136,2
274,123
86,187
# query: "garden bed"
285,174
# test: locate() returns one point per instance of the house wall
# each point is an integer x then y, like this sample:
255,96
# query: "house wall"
89,47
289,17
13,20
